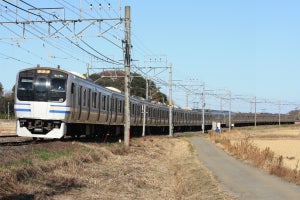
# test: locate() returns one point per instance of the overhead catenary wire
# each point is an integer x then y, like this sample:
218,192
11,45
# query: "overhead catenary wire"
49,43
107,59
16,59
76,44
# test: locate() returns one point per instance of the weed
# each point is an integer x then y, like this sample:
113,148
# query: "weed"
44,154
21,162
25,161
191,148
264,159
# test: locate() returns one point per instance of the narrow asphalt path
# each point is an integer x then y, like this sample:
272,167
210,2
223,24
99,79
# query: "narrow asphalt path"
242,180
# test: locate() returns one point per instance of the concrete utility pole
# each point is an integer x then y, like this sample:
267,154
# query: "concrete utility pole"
229,111
279,117
170,103
203,107
145,110
127,77
255,111
8,113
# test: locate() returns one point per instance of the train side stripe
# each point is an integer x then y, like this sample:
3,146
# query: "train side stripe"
22,110
24,104
52,105
60,111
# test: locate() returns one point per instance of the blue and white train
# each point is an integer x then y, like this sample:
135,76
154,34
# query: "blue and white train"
53,103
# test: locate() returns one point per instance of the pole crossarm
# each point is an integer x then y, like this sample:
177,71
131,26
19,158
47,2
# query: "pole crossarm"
68,25
61,21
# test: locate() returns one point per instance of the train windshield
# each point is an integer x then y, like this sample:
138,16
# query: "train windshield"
42,86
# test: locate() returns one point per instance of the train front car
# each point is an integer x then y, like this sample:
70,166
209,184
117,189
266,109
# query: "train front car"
40,102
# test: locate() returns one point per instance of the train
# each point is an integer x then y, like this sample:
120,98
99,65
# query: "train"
54,103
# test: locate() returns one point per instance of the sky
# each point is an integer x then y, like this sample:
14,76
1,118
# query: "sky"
244,48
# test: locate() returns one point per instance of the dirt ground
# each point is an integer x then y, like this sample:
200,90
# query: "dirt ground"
157,168
284,141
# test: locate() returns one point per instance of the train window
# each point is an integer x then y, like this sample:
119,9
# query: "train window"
149,111
25,86
132,109
116,105
107,105
89,98
58,85
139,110
84,97
25,83
122,106
119,106
99,100
79,95
112,104
103,102
58,89
94,99
72,88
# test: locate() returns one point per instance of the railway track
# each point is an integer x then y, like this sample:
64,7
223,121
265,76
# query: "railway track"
8,136
14,140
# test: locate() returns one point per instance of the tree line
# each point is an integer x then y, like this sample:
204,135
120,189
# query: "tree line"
6,103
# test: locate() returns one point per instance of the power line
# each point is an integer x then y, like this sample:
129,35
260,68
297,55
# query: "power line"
106,59
44,40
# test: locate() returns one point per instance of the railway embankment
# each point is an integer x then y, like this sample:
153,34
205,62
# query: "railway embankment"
157,168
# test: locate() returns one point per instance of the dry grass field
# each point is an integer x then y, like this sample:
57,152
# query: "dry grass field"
158,168
272,148
284,141
7,127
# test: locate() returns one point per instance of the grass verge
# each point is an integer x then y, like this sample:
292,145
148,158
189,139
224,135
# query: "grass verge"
265,159
157,168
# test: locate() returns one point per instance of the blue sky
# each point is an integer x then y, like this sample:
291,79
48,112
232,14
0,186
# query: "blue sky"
250,48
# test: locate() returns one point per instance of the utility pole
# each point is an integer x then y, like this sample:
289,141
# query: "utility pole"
8,113
203,107
170,103
127,77
187,99
145,110
229,111
255,111
279,117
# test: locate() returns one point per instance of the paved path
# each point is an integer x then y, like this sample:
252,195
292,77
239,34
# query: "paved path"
242,180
